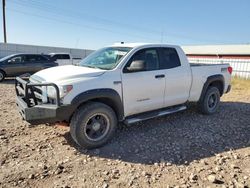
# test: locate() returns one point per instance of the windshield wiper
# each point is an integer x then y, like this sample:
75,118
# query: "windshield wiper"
94,67
88,66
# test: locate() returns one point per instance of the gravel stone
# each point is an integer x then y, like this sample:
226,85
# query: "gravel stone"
185,149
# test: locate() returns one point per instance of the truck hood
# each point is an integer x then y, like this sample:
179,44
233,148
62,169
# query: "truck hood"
65,73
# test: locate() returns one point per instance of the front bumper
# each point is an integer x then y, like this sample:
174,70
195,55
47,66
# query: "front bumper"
45,113
33,110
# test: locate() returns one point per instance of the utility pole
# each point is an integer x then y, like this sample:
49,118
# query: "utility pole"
4,23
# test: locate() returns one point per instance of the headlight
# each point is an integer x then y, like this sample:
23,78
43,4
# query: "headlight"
63,91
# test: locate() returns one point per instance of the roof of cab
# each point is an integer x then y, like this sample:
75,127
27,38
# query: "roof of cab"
133,45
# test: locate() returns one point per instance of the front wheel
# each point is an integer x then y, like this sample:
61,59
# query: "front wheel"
2,76
210,102
93,124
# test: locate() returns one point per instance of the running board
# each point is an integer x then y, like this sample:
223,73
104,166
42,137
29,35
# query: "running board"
153,114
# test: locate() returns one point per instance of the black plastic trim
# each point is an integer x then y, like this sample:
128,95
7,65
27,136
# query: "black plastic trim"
211,79
102,94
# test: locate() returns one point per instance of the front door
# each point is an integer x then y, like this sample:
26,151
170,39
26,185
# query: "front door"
143,90
15,65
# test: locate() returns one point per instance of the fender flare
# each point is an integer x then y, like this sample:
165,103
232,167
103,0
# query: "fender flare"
210,80
105,95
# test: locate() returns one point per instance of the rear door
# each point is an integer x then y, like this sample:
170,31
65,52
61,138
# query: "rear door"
35,63
178,77
143,91
32,63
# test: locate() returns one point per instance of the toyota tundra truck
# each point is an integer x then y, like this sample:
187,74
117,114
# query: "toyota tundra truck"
124,83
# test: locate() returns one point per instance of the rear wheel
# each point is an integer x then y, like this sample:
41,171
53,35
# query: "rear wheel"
93,124
2,76
210,102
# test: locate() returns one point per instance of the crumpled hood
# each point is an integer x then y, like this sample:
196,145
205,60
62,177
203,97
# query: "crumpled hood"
65,72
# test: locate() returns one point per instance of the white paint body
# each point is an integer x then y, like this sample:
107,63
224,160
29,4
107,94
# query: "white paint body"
139,91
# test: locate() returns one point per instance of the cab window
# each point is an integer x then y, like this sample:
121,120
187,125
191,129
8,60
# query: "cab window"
148,56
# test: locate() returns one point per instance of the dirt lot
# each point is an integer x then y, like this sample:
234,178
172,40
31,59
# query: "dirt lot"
186,149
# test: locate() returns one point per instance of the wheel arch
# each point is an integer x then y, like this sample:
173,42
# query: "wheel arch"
107,96
3,71
216,81
4,74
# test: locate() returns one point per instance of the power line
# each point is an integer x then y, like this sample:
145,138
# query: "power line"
79,15
76,24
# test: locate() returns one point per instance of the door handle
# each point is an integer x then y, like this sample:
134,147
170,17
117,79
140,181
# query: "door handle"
160,76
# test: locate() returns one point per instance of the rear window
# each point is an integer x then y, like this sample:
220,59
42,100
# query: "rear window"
169,58
35,58
61,56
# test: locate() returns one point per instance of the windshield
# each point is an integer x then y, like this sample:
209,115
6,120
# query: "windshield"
105,58
7,57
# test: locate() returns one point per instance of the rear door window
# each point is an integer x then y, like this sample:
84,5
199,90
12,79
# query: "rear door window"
169,58
34,58
61,56
41,58
65,56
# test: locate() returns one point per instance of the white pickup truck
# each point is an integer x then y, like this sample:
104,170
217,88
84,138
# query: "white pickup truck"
120,83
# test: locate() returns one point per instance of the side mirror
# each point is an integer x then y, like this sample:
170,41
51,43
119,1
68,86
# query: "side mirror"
136,66
9,61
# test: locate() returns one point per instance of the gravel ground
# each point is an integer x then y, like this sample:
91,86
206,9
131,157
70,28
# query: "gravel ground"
186,149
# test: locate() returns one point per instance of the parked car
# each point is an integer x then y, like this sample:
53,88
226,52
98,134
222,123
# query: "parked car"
17,64
121,83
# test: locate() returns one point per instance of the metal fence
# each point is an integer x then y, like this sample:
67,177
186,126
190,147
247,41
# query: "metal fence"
241,67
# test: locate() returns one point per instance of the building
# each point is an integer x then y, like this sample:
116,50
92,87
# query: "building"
9,48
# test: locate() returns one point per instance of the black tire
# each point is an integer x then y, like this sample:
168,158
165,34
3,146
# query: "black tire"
210,102
91,120
2,76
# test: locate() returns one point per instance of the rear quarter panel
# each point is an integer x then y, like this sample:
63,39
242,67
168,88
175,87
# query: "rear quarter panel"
200,75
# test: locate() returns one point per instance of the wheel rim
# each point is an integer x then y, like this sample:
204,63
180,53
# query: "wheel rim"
212,101
97,127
